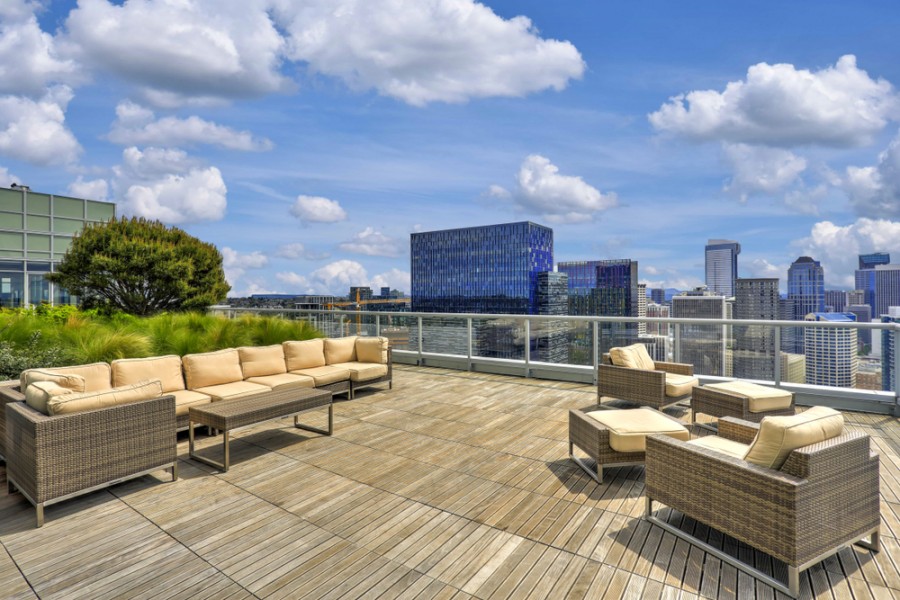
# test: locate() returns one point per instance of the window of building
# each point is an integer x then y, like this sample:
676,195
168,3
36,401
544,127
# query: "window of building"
68,207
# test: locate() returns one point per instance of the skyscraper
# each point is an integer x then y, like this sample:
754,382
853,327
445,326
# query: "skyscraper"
806,294
835,300
863,314
831,352
721,266
888,348
865,276
887,288
754,345
703,346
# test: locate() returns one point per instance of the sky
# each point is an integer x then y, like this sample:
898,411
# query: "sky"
307,139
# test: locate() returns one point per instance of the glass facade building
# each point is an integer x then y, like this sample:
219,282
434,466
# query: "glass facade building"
831,353
864,277
491,269
722,266
35,232
754,345
806,294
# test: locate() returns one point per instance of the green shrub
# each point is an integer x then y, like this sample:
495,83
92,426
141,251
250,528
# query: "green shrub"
15,358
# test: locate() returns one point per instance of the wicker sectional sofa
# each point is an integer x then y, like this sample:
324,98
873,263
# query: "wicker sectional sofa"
71,430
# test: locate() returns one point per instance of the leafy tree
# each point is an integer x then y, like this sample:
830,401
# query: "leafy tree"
141,267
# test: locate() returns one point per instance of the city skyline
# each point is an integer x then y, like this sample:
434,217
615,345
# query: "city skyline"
635,131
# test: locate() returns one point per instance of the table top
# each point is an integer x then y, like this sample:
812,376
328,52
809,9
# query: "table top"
259,407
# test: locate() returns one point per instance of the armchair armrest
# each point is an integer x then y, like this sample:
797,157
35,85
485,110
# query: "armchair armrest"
674,368
737,430
631,384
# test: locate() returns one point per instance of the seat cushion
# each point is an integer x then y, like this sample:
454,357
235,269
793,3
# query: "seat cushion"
230,391
325,375
304,354
679,385
779,436
97,376
759,397
39,393
259,361
364,371
212,368
284,381
634,356
167,369
184,399
725,446
628,429
79,402
340,350
372,349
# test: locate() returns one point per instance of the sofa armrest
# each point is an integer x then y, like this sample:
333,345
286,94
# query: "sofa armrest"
53,456
737,430
11,393
674,368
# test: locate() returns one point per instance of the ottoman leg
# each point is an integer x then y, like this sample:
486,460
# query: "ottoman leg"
596,476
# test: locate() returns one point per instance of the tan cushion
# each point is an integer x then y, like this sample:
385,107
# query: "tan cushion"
779,436
96,376
340,350
39,393
679,385
372,350
325,375
760,398
212,368
73,383
305,354
259,361
230,391
75,402
725,446
167,369
184,399
634,356
628,429
364,371
284,381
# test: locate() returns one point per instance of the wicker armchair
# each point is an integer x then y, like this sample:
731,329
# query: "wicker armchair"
640,386
53,458
823,498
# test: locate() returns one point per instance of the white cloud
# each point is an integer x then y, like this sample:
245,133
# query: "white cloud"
29,61
169,186
137,125
7,178
337,277
875,191
556,198
298,250
780,105
316,209
96,189
373,243
299,282
760,267
235,264
187,48
35,131
760,169
394,279
422,51
838,247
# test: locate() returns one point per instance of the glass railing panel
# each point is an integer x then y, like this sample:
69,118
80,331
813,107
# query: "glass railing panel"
443,335
498,338
579,340
401,330
751,352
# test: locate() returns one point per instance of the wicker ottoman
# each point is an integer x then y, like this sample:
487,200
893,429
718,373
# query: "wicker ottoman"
741,399
615,438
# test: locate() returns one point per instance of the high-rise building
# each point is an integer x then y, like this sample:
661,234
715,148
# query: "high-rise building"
658,295
722,266
35,232
754,345
657,311
642,307
887,288
835,300
856,297
704,346
806,294
360,293
385,293
831,352
889,346
863,314
551,337
865,276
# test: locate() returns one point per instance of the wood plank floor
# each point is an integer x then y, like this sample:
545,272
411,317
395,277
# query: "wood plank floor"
452,485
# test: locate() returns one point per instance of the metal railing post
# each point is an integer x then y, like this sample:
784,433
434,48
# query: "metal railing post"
596,348
419,361
378,325
895,337
777,372
469,343
676,349
527,348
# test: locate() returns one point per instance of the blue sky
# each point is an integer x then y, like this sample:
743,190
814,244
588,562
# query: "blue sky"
308,138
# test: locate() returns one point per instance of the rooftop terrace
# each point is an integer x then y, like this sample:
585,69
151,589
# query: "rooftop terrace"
453,485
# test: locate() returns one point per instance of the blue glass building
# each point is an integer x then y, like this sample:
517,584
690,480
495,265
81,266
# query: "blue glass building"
722,266
490,269
865,276
806,294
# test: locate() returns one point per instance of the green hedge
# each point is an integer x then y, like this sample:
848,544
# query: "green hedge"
56,336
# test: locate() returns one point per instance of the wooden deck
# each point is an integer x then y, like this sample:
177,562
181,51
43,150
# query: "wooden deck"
453,485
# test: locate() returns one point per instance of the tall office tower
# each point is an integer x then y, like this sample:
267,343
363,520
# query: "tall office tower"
657,311
889,343
863,314
704,346
865,276
617,296
835,300
551,337
642,307
831,352
887,288
658,295
806,294
721,266
856,297
754,345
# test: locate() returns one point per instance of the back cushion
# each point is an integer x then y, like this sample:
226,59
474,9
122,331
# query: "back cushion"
97,376
212,368
779,436
71,403
259,361
340,350
167,369
634,356
372,350
39,393
304,355
74,383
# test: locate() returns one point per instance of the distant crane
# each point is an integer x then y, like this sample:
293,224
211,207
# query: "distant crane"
357,304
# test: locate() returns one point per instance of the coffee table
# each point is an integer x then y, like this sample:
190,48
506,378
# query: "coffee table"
228,415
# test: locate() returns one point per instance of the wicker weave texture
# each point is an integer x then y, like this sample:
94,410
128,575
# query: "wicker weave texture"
593,439
717,403
231,414
9,392
647,388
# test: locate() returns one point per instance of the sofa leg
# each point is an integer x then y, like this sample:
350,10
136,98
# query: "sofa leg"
794,581
648,506
175,470
39,514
